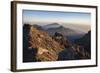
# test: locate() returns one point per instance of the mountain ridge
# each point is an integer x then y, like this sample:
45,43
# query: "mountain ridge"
55,27
40,46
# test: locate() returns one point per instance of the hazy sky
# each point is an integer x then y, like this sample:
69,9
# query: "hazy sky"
40,17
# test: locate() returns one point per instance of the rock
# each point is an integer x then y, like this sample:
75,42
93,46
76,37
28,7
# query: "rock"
47,48
85,41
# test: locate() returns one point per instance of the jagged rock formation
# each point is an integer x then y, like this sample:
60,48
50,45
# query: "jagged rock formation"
47,48
85,41
71,51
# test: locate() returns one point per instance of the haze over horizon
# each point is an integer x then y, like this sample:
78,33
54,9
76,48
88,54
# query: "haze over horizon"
75,20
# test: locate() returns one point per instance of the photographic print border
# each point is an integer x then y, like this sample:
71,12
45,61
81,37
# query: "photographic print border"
14,34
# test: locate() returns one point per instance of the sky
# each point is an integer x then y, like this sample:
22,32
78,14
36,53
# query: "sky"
44,17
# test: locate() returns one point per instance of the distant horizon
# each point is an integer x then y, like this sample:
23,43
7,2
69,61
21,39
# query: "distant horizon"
75,20
83,28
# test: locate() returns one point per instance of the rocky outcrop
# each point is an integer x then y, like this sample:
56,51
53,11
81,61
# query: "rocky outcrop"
71,51
47,48
85,41
58,37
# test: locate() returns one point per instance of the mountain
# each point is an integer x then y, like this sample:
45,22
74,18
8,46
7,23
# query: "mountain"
85,41
69,33
42,46
56,27
39,46
53,25
71,51
63,30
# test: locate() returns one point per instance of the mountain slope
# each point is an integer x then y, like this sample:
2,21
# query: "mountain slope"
85,41
38,45
47,49
71,51
61,29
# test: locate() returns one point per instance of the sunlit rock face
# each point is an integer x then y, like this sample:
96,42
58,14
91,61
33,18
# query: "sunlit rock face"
47,48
